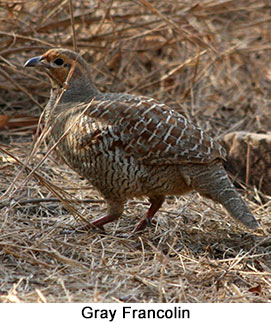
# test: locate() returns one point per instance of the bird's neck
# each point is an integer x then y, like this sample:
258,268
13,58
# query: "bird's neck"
72,94
77,91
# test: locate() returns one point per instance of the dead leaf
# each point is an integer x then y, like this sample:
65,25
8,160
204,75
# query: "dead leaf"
257,289
3,120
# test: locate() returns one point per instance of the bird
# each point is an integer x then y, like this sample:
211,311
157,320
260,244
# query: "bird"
131,146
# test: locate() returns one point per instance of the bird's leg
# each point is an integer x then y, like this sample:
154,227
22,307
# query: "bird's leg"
114,211
156,202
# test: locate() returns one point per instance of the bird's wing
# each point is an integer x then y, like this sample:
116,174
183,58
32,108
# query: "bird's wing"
148,130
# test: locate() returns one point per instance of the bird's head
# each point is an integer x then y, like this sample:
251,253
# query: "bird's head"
65,68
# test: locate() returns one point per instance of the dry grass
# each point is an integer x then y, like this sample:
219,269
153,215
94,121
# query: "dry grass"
208,59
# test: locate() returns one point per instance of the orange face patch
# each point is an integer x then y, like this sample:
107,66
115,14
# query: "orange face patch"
61,67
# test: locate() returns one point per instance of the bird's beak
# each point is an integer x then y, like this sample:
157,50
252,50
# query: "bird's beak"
34,61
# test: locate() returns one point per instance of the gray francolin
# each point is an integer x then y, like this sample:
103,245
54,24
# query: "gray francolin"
131,146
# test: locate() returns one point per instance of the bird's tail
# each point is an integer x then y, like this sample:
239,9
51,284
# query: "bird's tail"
214,183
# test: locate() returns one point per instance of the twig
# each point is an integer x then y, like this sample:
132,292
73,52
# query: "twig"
73,28
20,87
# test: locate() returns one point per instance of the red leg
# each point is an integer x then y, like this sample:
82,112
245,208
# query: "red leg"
156,203
114,211
99,223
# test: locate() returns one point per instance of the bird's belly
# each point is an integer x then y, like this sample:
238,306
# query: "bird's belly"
115,174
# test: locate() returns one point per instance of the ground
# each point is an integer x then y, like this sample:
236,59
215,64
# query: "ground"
207,59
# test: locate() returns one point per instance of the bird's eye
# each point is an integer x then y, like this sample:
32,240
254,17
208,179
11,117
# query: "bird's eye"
59,61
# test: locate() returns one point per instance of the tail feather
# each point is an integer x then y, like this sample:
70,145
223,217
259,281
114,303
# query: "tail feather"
213,182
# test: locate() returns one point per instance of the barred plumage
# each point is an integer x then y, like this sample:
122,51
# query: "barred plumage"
129,146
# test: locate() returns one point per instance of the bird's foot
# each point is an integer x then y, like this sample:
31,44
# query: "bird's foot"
84,229
142,224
